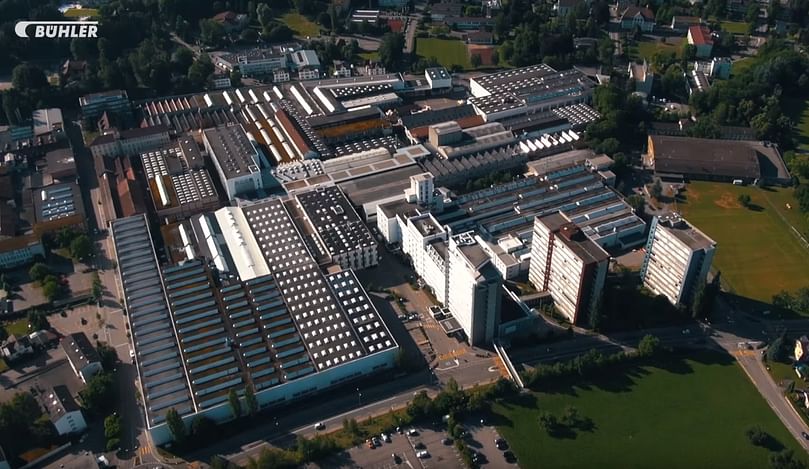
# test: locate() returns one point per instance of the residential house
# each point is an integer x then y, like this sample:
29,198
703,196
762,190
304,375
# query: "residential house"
15,348
342,69
643,77
682,23
467,23
231,21
638,17
81,355
802,349
63,411
440,11
700,38
374,69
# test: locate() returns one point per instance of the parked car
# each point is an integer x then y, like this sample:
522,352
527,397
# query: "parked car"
419,445
423,454
370,444
510,458
385,437
412,432
376,441
319,426
501,444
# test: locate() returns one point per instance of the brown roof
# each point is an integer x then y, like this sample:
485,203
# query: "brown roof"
464,122
633,11
702,156
700,35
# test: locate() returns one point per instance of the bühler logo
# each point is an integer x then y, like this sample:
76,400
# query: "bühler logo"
57,29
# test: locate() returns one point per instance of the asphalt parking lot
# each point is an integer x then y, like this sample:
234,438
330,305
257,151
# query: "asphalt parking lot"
403,446
482,439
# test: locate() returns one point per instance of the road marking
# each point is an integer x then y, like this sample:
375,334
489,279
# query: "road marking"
500,366
453,354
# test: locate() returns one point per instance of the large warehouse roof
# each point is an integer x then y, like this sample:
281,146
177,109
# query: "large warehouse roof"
702,156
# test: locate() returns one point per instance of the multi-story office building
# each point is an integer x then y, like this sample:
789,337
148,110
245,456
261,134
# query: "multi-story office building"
568,265
253,62
678,258
475,289
425,241
130,142
93,105
235,159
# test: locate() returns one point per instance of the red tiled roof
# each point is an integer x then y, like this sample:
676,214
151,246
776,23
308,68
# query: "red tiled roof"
633,11
700,35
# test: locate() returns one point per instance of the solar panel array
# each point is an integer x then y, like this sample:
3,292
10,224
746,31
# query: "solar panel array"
160,366
335,220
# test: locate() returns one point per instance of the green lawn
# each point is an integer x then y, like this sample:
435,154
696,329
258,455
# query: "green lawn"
81,13
681,413
647,49
449,52
18,327
734,27
301,24
741,65
757,252
374,56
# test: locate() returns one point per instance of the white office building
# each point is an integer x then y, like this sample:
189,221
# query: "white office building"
568,265
678,258
475,289
63,411
235,158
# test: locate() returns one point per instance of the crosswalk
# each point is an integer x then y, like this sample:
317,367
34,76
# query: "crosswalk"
144,451
745,353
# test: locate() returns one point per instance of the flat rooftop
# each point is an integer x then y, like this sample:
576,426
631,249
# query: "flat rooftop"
568,233
159,363
336,222
233,151
685,232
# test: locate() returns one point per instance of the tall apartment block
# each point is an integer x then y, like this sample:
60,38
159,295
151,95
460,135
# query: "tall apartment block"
678,258
566,263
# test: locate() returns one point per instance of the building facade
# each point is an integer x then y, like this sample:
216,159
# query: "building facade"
235,158
475,289
678,259
129,142
568,265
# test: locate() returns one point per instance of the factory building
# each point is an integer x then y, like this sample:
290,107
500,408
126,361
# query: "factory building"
235,158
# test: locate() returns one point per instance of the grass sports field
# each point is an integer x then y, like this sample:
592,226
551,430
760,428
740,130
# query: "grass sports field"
301,25
798,111
757,251
81,13
449,52
680,413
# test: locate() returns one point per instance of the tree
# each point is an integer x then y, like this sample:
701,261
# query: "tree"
97,289
203,429
495,58
235,403
476,60
112,432
108,356
200,71
81,248
421,406
51,288
38,272
638,203
673,82
37,321
744,200
548,422
649,346
176,426
778,349
391,49
657,189
211,32
99,395
250,400
249,35
786,460
757,436
27,77
236,77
